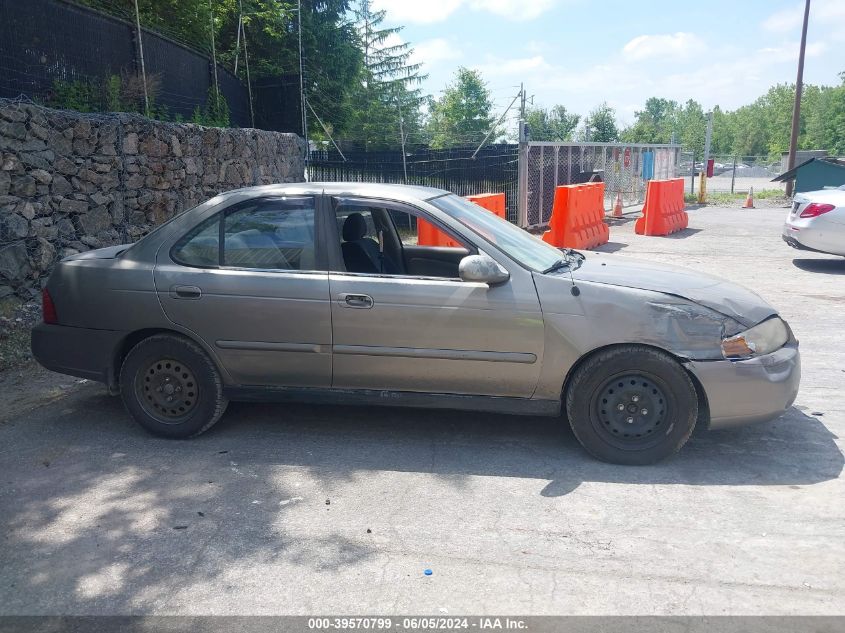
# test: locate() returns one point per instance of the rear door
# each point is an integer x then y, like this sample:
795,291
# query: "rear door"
251,281
423,329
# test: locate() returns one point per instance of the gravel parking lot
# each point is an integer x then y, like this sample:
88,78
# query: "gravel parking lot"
304,509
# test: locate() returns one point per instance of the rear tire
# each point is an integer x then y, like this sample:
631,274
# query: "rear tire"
171,387
631,405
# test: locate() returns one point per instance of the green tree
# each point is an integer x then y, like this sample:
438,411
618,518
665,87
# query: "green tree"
601,123
655,123
722,141
464,114
691,126
555,124
332,56
332,52
386,99
184,20
826,121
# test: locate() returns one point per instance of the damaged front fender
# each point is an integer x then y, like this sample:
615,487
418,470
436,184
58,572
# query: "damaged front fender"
624,315
690,330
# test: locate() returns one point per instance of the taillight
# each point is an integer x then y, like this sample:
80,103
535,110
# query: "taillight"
48,308
815,209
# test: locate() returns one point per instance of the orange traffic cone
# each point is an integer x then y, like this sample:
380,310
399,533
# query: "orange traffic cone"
617,208
749,201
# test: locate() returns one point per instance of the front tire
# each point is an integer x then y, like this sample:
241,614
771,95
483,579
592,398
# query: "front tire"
631,405
171,387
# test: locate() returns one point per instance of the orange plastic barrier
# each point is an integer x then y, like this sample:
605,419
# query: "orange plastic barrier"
663,211
578,217
428,235
494,202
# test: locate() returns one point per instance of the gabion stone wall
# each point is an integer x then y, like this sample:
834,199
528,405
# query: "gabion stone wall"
71,182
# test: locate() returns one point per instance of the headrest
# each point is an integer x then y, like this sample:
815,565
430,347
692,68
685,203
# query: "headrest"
354,228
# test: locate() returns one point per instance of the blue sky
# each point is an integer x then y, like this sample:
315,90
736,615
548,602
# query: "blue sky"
581,52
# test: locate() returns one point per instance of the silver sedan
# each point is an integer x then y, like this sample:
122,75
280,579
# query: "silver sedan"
332,293
816,221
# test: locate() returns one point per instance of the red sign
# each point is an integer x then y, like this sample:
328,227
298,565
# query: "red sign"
627,159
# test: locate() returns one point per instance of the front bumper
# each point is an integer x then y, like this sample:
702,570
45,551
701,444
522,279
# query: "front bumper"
748,391
76,351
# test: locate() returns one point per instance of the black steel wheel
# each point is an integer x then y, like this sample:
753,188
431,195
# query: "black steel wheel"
171,387
631,405
629,409
167,390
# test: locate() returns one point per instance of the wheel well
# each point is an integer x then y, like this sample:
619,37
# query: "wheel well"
130,341
701,395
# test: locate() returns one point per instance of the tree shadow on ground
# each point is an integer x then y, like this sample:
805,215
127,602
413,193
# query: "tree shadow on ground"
142,517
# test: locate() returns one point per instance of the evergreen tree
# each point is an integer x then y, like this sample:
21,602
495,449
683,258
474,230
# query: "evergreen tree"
386,100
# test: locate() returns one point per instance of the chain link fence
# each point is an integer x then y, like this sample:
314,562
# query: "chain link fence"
462,170
733,173
623,168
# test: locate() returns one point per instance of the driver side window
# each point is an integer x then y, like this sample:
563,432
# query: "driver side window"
390,240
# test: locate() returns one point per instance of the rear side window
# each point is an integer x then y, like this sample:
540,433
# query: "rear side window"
201,246
271,234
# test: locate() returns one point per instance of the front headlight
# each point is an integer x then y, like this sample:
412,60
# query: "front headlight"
763,338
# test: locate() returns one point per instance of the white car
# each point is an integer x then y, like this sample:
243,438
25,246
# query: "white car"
816,222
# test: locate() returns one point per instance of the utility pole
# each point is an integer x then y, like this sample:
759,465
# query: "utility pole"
522,175
213,56
141,55
402,137
799,88
497,123
248,80
302,88
702,182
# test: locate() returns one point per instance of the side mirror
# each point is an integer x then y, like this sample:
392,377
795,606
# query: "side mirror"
482,269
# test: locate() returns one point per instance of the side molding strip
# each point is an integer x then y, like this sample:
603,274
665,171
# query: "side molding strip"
274,347
444,354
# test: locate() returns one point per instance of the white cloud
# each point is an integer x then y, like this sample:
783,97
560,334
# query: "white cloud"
668,46
409,11
434,51
825,16
514,9
788,51
431,11
785,20
495,68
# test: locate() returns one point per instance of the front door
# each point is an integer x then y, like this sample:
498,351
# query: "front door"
404,321
251,282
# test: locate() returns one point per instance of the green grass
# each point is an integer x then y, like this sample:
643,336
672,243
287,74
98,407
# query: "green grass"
724,197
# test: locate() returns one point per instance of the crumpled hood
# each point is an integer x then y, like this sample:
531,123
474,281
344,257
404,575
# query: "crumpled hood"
713,292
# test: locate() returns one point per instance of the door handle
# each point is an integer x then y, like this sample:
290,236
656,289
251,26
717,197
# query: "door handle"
185,292
356,300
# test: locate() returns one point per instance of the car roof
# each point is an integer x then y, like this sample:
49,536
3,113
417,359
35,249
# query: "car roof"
364,189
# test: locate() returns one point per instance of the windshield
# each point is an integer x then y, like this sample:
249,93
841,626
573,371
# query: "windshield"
517,244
